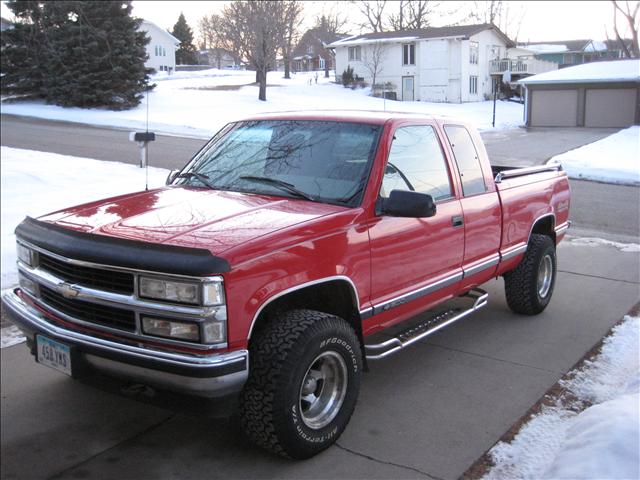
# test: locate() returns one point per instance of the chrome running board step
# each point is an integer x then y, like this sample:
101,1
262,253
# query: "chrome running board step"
427,327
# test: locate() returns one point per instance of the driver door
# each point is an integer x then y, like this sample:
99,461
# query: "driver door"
412,258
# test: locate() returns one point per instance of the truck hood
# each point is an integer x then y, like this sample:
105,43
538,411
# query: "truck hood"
190,217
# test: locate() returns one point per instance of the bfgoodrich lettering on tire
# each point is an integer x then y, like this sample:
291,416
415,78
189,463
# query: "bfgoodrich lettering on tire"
303,383
530,285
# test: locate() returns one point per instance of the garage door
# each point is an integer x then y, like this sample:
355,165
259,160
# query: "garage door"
554,108
610,107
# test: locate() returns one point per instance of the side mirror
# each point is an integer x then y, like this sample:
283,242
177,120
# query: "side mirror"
172,176
403,203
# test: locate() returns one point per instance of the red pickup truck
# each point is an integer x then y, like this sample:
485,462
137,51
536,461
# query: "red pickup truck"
265,268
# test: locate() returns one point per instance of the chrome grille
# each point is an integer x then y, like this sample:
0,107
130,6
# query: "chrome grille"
119,282
90,312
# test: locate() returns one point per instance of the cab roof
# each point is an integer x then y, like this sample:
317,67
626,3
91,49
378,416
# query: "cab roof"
359,116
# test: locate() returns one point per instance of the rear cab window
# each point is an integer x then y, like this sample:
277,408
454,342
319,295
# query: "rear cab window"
467,160
417,163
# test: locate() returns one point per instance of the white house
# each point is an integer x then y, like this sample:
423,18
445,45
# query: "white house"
446,64
161,50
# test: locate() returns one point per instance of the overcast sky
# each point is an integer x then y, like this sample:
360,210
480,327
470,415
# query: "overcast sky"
540,20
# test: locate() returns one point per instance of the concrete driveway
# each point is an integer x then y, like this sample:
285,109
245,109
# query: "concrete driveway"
428,412
534,146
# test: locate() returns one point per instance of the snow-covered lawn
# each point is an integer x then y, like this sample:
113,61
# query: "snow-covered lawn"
198,104
603,440
614,159
34,183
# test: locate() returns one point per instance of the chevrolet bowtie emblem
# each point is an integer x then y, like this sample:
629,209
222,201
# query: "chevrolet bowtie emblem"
68,291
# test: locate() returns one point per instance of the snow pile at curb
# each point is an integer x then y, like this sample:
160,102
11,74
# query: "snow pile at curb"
567,441
597,242
35,183
614,159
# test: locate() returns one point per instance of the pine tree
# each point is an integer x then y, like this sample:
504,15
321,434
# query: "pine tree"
186,52
77,53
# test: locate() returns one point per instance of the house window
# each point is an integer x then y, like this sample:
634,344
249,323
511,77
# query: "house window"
164,52
409,54
354,53
473,84
156,50
473,53
322,63
309,49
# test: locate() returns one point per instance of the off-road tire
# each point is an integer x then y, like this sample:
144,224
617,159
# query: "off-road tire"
280,357
521,283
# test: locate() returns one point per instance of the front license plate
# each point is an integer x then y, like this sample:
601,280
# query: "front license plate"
54,354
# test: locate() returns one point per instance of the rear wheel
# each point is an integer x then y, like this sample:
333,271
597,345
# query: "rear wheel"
303,384
530,285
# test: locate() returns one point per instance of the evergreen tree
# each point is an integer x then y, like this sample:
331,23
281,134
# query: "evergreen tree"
186,52
76,53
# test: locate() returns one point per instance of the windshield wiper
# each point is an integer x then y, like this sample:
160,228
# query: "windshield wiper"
199,176
281,184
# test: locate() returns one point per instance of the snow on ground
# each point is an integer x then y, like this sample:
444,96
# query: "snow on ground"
35,183
614,159
10,336
602,441
199,103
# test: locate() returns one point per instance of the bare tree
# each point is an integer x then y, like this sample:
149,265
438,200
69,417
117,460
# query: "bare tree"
332,23
413,14
630,15
374,13
212,37
498,13
255,30
292,20
373,60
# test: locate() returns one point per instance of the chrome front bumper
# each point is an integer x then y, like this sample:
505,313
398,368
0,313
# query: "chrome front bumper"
215,375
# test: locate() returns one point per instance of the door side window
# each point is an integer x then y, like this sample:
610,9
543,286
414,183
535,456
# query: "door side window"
467,160
416,163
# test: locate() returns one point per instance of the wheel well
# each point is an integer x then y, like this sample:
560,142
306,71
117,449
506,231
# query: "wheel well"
545,226
336,297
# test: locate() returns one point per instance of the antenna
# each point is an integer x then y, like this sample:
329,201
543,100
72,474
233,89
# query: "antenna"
146,150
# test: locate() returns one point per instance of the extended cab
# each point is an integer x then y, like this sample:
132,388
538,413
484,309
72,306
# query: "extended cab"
265,268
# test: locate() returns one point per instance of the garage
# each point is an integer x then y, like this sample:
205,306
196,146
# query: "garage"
599,94
610,107
554,108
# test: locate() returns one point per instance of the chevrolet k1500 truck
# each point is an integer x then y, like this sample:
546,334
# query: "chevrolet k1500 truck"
267,266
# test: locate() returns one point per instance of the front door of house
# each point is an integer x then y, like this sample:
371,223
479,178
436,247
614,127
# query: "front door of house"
407,89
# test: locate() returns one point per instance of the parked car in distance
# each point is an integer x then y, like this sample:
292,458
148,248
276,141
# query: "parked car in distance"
265,269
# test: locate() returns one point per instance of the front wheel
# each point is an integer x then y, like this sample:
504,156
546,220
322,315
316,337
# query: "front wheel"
530,285
303,384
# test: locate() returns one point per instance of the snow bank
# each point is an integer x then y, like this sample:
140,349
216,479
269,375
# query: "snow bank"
34,183
601,441
614,159
198,104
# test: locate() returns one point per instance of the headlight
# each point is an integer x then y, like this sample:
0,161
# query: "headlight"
26,255
197,293
213,331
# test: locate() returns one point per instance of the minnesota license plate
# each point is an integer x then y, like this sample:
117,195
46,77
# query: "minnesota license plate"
54,354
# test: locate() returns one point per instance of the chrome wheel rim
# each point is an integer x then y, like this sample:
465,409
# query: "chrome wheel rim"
545,276
323,389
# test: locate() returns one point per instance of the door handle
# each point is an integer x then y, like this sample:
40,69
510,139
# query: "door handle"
457,221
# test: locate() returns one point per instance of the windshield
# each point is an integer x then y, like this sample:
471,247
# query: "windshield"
315,160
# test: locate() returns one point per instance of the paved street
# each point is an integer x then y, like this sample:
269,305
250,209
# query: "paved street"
428,412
